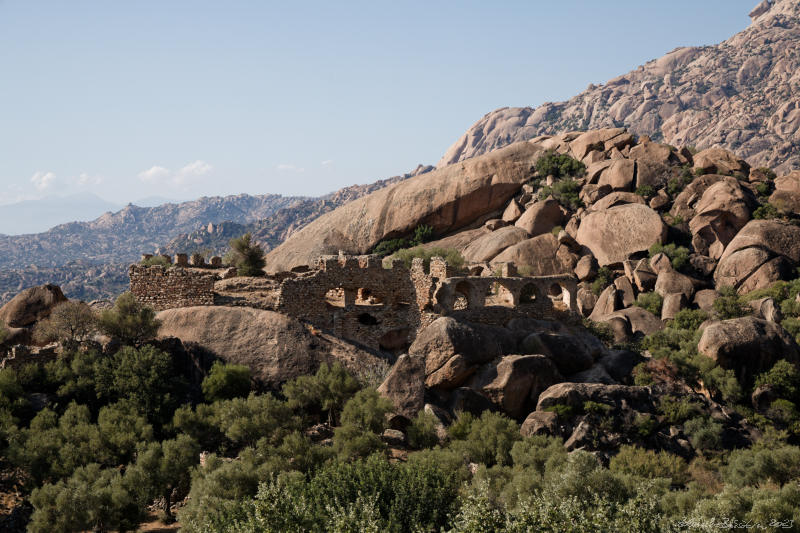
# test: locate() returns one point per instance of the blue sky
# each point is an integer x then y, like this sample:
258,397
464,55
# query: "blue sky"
183,99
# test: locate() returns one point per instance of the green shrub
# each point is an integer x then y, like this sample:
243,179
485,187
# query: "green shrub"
730,304
489,440
596,408
648,464
246,256
752,466
565,191
678,183
766,211
390,246
647,191
704,433
763,189
559,165
420,235
326,391
604,278
678,255
226,381
650,301
689,319
156,260
645,424
422,431
784,377
451,256
676,410
129,321
563,411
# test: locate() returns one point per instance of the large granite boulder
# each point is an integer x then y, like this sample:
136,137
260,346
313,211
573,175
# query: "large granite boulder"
276,347
614,234
721,212
719,161
542,255
446,337
446,199
747,345
405,385
514,384
31,305
541,217
487,247
763,252
786,196
576,394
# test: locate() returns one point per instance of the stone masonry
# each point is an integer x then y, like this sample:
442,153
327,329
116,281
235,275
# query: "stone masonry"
358,299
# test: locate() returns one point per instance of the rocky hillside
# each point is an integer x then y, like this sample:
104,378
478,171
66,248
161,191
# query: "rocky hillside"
90,259
275,228
122,236
741,94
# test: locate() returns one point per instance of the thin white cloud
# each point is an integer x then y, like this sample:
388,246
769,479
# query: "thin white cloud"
327,162
192,170
43,180
288,167
153,173
177,178
85,179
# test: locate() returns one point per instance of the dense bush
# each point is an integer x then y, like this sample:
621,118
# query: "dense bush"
70,323
420,235
678,255
604,278
730,304
559,165
650,301
246,256
225,381
565,191
129,321
453,257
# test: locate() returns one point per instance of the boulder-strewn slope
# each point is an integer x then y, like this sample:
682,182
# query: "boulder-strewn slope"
742,94
446,200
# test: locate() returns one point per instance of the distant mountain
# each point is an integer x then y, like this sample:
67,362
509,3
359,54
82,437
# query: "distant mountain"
742,94
274,229
154,201
34,216
90,259
122,236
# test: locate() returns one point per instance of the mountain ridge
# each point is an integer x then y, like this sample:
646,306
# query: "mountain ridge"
741,95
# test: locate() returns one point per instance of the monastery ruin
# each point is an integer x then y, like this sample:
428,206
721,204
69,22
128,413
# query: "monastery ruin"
357,298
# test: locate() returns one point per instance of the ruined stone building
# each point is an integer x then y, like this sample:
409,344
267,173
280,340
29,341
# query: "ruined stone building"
358,299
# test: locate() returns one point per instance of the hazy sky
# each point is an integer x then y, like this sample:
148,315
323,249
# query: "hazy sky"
129,99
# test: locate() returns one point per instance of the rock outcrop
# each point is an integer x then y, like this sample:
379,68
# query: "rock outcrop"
276,347
31,305
446,200
616,233
740,95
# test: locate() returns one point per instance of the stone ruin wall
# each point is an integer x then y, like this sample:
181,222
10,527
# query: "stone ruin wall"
166,288
356,298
